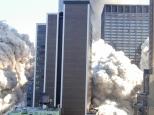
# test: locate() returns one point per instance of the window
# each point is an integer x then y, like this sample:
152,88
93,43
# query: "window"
120,9
133,9
139,9
145,9
108,8
127,9
114,8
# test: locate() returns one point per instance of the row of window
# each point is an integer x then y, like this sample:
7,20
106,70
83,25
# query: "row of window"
127,24
127,21
132,17
127,8
118,14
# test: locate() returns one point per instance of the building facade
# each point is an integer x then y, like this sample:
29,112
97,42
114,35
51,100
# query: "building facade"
39,65
125,27
75,57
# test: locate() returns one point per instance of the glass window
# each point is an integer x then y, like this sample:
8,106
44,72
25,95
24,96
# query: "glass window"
133,9
139,9
145,9
108,8
120,9
114,8
127,9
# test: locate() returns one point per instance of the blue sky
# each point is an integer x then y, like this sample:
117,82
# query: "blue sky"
24,14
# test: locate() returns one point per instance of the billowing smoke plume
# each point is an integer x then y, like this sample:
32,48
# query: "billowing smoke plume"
144,63
115,80
15,65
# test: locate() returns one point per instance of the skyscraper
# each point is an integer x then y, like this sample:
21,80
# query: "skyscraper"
50,73
75,57
126,27
39,64
52,79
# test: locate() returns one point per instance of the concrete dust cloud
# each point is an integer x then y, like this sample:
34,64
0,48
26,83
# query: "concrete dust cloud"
115,80
16,55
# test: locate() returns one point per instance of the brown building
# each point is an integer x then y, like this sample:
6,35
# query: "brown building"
75,57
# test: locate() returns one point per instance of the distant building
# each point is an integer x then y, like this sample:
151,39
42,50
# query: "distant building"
39,64
125,27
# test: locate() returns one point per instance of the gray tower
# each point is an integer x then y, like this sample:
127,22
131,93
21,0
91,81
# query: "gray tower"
75,52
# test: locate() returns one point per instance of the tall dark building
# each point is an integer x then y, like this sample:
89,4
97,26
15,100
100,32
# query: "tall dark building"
52,84
125,27
51,58
39,64
75,51
29,93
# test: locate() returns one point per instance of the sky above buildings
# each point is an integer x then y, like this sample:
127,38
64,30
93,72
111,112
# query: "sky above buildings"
24,14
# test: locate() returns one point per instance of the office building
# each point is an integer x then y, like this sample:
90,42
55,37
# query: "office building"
39,64
50,73
52,79
75,52
126,27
